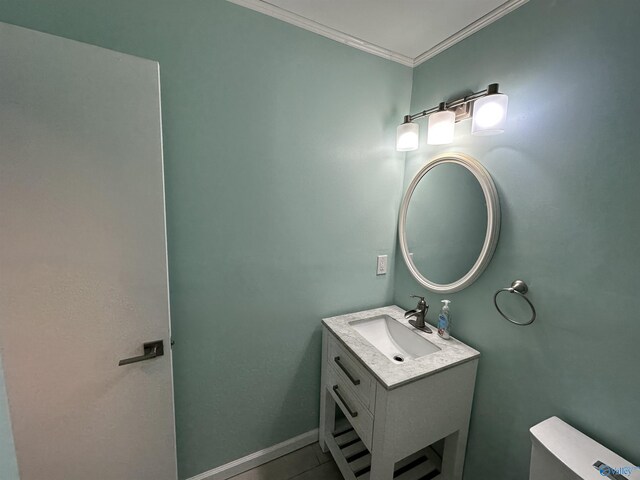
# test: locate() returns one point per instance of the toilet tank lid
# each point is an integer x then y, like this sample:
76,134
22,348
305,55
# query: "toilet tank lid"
579,452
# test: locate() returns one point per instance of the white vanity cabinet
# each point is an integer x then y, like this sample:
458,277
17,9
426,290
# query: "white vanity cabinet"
395,411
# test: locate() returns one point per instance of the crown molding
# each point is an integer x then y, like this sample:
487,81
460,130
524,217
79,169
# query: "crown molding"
315,27
470,29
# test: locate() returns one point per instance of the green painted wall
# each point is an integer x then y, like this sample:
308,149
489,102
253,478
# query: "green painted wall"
567,171
282,187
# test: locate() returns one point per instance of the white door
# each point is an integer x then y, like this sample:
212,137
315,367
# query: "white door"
83,267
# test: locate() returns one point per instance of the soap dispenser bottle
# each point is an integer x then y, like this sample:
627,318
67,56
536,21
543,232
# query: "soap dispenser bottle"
444,320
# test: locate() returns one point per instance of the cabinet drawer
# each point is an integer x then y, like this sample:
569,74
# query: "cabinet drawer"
359,417
351,371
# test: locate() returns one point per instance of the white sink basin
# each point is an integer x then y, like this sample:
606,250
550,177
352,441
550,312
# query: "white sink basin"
395,341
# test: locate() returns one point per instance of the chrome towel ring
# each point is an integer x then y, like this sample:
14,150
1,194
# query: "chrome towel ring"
520,288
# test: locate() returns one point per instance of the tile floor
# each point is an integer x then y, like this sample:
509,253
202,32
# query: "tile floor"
308,463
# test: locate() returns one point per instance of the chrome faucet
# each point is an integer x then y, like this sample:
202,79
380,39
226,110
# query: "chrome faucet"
420,313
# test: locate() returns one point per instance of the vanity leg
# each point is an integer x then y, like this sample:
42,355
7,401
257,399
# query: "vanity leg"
381,467
327,404
455,446
327,417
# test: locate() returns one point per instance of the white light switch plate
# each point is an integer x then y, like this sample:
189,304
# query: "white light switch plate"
381,265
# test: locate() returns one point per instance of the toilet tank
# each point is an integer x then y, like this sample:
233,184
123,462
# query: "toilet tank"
560,452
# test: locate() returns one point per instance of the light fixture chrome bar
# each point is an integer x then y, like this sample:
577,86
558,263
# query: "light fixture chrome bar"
452,105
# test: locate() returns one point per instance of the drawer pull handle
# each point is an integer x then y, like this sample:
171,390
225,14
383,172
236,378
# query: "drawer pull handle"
354,380
353,413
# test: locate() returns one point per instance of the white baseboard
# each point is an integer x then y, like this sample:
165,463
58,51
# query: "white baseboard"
258,458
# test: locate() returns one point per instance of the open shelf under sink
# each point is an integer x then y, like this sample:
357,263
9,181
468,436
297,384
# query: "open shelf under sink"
350,451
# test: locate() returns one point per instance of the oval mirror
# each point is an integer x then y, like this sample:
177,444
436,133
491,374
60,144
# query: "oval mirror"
449,223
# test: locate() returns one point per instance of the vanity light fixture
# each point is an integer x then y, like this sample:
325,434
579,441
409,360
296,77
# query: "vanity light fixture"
407,136
489,118
490,113
441,126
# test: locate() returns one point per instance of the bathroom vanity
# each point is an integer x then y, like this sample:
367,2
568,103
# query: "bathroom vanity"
401,390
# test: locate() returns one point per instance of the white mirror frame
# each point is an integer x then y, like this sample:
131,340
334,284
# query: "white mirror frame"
493,222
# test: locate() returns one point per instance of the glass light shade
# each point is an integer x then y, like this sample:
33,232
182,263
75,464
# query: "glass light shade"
490,114
441,126
407,137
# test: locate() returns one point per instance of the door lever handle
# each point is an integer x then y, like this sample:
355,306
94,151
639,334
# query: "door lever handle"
151,350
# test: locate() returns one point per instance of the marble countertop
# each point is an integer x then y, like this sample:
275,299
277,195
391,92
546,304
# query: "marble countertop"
392,375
